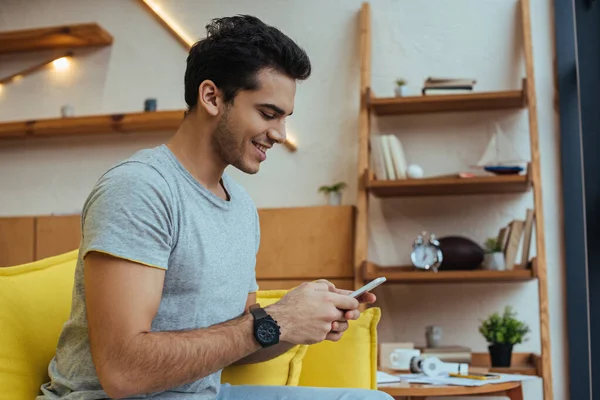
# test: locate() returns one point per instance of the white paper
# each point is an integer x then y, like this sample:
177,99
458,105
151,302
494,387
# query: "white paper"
384,377
448,380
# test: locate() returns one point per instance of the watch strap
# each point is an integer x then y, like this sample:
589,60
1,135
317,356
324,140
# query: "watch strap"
258,312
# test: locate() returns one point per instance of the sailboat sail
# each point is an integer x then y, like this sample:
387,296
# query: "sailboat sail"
491,156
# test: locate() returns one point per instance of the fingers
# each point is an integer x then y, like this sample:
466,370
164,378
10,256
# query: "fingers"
333,336
367,297
339,326
330,285
352,315
344,302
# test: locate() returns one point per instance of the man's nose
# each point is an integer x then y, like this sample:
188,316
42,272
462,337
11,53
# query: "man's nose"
277,135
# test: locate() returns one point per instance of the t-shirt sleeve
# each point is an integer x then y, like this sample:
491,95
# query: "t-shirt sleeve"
253,283
129,215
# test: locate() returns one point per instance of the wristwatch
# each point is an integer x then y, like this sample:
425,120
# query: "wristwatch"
266,330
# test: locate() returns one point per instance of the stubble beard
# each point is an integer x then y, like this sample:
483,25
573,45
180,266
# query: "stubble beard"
227,148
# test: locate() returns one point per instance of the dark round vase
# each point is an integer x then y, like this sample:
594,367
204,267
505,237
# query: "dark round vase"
500,354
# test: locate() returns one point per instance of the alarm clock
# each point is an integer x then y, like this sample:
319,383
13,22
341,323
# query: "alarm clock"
426,255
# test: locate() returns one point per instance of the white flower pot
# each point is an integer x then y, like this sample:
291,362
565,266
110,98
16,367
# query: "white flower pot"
401,91
335,198
494,261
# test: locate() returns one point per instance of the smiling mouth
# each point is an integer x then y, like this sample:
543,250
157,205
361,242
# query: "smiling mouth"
260,147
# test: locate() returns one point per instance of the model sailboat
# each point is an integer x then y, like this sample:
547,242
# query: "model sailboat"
491,161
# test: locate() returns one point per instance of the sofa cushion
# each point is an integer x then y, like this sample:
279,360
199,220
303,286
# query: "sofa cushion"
282,370
36,301
350,362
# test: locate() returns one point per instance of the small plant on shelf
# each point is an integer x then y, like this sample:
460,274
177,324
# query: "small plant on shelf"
401,89
494,256
502,332
334,192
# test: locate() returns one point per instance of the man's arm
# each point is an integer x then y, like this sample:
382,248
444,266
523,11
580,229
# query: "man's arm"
265,354
122,299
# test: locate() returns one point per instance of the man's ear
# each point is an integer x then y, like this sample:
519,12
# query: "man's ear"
209,97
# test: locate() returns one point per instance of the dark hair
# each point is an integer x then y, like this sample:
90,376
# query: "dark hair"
235,50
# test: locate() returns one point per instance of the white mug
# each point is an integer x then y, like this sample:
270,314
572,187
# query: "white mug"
400,358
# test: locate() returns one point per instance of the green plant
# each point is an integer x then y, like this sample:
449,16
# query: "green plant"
333,188
492,245
504,329
400,82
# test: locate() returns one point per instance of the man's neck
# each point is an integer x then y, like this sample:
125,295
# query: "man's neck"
192,146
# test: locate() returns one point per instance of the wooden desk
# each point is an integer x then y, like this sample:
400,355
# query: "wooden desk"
416,391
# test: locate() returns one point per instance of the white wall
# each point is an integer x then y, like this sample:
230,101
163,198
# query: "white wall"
479,39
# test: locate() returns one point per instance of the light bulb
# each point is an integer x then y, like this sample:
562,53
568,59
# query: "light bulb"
61,64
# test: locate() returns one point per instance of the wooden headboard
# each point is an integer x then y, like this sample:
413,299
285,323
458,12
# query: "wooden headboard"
297,243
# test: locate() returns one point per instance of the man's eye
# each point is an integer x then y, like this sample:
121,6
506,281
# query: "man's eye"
267,116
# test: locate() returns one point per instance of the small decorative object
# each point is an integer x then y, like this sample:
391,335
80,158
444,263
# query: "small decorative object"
334,192
433,336
414,171
502,332
490,160
494,256
67,111
460,253
400,90
150,105
427,256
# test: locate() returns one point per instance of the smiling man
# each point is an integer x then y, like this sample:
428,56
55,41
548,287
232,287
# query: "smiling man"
165,289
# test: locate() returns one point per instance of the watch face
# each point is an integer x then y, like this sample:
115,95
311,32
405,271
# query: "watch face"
268,332
424,256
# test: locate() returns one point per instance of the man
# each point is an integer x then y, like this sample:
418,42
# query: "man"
165,288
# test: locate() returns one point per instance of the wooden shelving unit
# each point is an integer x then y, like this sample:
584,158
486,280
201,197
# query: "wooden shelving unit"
476,101
450,186
56,37
97,124
407,274
523,99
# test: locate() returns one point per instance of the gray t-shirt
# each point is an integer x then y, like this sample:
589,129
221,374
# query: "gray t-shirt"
151,210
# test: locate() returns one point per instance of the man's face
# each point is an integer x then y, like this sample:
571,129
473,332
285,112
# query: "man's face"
255,121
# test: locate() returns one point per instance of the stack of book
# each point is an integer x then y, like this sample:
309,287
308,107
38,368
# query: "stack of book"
455,354
517,234
387,157
447,85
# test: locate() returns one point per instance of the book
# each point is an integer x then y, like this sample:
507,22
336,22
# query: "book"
398,158
442,82
387,157
514,240
377,161
527,233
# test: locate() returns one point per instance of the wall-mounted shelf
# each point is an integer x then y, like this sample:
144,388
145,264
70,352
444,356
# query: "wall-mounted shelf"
476,101
97,124
450,186
56,37
109,123
407,274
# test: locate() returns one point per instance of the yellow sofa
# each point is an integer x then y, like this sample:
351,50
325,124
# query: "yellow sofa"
35,301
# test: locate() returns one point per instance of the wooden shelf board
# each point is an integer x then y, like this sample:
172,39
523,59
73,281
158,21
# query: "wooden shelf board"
521,363
56,37
119,123
450,186
98,124
407,274
476,101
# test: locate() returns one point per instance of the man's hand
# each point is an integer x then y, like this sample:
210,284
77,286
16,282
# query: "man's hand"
339,327
316,311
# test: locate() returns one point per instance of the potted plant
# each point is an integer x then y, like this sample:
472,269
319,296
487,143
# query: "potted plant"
502,332
334,192
400,90
494,256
